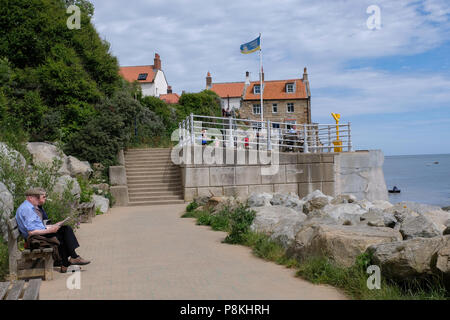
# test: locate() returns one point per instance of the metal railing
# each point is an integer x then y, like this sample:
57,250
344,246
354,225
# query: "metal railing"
267,135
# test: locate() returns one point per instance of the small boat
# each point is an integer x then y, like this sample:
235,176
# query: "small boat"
394,190
436,162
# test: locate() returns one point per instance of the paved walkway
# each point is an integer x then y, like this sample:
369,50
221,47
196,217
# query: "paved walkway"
151,253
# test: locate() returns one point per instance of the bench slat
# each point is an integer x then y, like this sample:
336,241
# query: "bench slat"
3,288
32,291
15,291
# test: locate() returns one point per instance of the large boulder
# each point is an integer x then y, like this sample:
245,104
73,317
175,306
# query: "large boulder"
78,168
341,244
287,200
420,226
343,198
6,208
413,258
378,218
13,157
62,183
267,218
316,200
348,213
259,199
44,154
101,203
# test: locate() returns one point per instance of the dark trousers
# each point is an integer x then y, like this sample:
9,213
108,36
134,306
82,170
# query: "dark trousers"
68,244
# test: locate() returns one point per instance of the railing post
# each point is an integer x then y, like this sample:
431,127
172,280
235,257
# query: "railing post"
192,129
230,122
349,138
305,143
329,139
269,133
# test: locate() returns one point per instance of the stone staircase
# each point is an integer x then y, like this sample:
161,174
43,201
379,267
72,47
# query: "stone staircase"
152,178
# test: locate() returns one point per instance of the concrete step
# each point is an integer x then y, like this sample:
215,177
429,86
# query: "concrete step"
155,174
154,179
154,203
160,193
153,157
154,198
151,166
151,188
144,184
152,170
149,163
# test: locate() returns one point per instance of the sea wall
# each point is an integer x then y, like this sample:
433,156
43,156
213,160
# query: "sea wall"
220,172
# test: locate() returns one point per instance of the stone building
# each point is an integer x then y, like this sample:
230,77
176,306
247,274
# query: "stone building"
285,101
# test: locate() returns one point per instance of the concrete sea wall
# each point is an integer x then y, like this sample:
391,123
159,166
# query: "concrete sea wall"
240,173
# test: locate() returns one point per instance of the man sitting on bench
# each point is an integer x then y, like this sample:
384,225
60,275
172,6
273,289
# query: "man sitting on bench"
30,218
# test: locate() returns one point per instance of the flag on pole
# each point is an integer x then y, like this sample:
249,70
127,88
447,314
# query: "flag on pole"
251,46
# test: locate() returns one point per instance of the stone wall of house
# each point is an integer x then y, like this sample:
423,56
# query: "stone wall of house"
300,113
242,172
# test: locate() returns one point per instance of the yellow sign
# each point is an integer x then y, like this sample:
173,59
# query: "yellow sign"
337,142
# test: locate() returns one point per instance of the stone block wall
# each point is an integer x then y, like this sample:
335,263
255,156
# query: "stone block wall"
358,173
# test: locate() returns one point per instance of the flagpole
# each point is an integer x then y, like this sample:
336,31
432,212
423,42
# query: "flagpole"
261,80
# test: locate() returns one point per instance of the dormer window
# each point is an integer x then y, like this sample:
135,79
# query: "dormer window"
143,76
290,88
257,89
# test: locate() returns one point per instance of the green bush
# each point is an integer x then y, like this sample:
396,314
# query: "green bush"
86,190
192,206
241,220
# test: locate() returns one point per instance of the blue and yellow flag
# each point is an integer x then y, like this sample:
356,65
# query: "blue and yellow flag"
251,46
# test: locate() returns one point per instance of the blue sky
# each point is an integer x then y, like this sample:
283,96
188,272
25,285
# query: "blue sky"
392,83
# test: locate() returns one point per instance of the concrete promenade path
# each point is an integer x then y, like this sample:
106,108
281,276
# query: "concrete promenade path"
152,253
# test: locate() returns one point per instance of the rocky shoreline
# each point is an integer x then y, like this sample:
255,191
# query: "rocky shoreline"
407,240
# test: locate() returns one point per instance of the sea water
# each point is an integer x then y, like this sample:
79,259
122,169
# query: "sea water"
421,178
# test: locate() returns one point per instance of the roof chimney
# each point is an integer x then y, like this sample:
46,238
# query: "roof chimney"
208,81
157,62
169,89
305,75
247,78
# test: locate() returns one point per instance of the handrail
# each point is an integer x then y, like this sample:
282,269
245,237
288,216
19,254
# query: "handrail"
246,133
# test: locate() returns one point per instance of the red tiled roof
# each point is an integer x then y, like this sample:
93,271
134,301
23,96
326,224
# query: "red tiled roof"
276,90
230,89
131,74
171,98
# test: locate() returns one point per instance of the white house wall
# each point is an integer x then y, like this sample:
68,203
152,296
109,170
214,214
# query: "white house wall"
161,84
157,87
148,89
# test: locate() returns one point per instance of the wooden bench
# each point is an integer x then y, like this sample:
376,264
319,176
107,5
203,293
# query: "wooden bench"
20,290
17,257
86,210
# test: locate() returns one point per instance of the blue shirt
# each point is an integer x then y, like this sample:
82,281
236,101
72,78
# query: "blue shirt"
27,219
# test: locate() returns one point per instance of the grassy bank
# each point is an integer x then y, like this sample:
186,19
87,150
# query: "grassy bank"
319,270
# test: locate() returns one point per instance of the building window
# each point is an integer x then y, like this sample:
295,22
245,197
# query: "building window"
275,125
257,89
143,76
256,109
289,87
290,124
274,108
290,107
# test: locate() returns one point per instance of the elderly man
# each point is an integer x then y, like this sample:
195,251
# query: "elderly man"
30,218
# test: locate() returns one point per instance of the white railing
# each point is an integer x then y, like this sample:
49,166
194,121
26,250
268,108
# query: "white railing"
268,135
